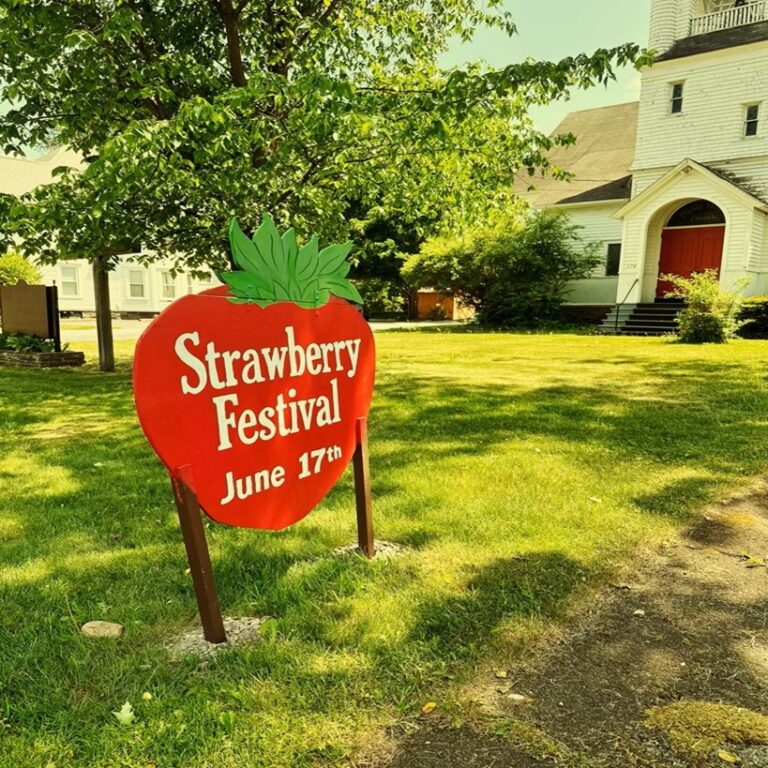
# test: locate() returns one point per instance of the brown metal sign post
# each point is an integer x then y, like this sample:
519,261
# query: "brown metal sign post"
363,491
199,559
196,545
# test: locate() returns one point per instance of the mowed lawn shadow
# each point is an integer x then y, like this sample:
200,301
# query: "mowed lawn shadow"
92,532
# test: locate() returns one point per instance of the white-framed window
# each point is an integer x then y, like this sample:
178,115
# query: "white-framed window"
612,259
70,280
169,285
751,119
190,284
676,99
136,284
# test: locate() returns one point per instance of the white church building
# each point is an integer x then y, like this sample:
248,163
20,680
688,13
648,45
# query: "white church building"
678,182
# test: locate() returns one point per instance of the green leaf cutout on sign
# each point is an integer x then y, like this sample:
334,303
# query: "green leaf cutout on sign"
274,268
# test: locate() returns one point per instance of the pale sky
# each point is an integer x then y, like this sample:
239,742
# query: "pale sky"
554,29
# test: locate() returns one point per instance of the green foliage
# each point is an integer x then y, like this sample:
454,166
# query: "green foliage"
14,267
383,242
189,113
711,314
274,268
19,342
754,318
513,270
383,299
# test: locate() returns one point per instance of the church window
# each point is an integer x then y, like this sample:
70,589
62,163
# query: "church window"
677,98
699,213
613,257
751,120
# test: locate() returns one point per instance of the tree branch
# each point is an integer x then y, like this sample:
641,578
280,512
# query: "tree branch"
230,15
332,7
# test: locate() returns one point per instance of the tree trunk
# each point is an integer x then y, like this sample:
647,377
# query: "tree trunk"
103,316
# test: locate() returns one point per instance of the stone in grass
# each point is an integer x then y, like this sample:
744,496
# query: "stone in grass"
241,631
382,549
101,629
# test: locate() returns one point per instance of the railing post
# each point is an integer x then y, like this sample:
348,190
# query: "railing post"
729,18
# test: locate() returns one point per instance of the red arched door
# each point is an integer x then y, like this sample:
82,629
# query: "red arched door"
691,242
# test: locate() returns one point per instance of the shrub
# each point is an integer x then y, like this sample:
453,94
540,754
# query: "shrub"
513,270
383,298
711,314
19,342
14,267
754,318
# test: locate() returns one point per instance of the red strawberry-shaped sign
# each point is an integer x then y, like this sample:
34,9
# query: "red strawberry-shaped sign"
251,393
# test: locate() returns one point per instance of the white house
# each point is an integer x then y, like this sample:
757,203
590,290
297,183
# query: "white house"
678,182
134,289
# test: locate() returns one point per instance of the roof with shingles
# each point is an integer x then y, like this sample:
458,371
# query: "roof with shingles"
599,161
715,41
738,181
19,175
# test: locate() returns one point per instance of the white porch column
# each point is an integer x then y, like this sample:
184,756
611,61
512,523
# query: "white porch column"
629,290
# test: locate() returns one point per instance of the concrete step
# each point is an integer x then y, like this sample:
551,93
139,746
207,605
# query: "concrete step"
646,319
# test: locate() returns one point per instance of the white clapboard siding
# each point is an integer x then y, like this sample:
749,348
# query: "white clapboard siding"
598,226
710,129
758,253
132,287
663,30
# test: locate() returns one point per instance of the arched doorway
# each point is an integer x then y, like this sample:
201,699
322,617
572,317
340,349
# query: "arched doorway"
691,241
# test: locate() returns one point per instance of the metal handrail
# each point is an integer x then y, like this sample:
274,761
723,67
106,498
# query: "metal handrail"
623,302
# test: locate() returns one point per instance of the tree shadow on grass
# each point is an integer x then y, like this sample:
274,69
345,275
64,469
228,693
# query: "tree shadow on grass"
705,417
535,585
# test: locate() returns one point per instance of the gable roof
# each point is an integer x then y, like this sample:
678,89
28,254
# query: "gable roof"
19,175
716,41
738,181
599,160
715,177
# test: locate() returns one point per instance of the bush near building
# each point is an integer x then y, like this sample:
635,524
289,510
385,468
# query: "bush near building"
513,270
711,314
754,315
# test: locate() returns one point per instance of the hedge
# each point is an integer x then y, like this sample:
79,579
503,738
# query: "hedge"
754,314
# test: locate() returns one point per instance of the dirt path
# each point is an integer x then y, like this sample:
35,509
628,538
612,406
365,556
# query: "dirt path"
670,669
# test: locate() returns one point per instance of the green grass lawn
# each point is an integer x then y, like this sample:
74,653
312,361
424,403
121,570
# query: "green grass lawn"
520,471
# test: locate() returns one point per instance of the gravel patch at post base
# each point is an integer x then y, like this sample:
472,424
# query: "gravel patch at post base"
240,631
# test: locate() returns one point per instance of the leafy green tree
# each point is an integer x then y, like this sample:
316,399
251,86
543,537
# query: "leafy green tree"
382,243
14,267
711,314
513,269
190,112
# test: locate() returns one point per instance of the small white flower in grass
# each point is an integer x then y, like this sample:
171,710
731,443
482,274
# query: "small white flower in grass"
125,715
147,696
